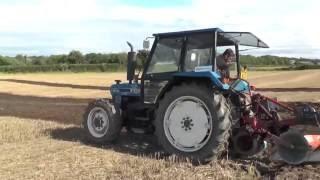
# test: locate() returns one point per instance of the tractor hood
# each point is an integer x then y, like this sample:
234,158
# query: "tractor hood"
125,89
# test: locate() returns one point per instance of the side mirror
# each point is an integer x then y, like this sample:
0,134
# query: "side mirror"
146,44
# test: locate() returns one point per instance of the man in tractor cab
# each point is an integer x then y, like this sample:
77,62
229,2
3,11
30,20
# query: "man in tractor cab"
224,61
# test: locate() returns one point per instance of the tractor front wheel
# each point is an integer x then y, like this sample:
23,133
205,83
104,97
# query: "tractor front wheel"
102,122
194,122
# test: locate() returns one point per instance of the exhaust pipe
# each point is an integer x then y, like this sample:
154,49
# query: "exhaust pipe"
131,65
130,45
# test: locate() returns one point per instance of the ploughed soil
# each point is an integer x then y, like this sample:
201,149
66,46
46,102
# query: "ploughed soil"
69,111
63,98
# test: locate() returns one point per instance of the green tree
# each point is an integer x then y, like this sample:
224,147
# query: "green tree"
142,58
75,57
57,59
38,60
21,58
4,61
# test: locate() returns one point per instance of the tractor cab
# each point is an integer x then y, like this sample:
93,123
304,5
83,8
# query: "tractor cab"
179,56
182,56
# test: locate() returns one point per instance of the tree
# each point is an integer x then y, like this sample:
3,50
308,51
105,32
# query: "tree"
122,58
142,58
3,61
75,57
21,58
92,58
57,59
36,61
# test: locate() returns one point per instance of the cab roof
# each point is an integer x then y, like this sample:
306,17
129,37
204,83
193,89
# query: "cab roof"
189,32
224,38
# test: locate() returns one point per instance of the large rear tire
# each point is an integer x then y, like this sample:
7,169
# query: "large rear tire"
194,122
102,122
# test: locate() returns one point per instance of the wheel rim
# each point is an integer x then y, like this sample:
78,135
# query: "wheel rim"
188,123
98,122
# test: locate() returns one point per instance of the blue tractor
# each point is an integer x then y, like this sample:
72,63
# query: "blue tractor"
181,96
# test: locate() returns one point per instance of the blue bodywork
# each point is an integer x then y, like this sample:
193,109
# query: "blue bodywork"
213,76
133,90
240,86
124,89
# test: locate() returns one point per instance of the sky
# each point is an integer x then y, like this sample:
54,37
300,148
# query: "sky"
45,27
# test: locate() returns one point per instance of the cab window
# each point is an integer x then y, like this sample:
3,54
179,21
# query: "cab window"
166,56
199,52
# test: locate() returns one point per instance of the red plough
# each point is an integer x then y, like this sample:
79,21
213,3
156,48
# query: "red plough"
266,120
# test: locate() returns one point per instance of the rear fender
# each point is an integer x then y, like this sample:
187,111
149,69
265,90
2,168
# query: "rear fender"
207,77
212,76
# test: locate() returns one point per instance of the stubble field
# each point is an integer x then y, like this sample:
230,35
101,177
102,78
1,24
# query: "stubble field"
41,137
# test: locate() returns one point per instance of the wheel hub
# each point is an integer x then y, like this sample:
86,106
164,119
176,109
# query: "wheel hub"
187,123
98,122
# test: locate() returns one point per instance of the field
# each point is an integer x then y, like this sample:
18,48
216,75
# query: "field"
41,137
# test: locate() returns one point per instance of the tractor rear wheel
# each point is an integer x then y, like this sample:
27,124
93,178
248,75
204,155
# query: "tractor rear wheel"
194,122
102,122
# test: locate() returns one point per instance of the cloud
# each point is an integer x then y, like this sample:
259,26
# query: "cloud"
42,15
105,25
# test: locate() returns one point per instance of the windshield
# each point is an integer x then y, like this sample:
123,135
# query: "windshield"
166,56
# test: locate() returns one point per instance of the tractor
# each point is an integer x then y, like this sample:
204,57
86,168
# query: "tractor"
182,97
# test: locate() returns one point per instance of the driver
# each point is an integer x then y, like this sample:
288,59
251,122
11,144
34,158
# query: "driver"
224,61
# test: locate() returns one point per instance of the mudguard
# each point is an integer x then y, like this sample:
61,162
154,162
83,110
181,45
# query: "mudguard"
213,76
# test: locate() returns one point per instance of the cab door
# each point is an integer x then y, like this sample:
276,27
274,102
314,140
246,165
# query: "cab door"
164,61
